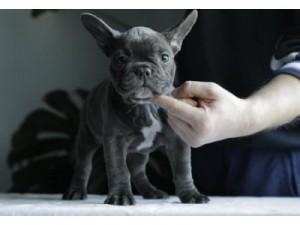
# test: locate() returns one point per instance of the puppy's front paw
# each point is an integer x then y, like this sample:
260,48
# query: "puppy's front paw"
75,194
155,194
193,197
120,199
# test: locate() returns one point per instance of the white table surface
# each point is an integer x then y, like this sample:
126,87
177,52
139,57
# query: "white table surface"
38,204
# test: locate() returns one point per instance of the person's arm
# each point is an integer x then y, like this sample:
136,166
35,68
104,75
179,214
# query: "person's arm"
275,104
203,112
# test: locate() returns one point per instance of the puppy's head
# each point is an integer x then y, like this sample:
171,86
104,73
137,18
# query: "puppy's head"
142,60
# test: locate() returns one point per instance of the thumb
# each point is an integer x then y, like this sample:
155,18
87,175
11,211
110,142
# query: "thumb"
191,89
177,107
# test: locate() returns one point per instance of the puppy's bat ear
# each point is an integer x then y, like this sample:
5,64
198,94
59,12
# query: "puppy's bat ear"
104,34
176,34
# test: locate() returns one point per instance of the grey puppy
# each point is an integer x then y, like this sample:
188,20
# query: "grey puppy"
119,116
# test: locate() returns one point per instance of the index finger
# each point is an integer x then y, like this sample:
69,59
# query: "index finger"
177,108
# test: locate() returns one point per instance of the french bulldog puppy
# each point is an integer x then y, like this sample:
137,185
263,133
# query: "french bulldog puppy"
119,117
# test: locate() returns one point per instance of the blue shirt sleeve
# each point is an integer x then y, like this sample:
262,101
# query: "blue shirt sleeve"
286,58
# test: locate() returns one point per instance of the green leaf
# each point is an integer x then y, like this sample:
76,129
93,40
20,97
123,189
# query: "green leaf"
39,148
60,101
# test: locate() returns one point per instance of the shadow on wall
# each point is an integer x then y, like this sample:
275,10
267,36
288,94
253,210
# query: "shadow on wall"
40,159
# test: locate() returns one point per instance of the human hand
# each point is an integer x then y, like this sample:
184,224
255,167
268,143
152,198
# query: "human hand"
203,112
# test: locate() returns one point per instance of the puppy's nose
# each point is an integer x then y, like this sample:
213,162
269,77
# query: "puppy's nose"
143,72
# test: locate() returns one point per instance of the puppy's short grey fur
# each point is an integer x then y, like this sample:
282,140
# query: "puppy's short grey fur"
119,116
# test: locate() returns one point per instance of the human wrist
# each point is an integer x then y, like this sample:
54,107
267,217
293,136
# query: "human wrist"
256,118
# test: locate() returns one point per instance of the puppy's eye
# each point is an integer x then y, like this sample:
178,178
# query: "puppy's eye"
121,59
165,58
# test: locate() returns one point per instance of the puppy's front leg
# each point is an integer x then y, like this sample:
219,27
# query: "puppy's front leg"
179,155
137,167
85,148
119,187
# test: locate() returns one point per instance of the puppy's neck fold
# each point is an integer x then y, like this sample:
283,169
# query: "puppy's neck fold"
138,115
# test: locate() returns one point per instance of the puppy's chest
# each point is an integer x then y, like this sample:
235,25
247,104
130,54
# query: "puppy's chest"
149,134
146,135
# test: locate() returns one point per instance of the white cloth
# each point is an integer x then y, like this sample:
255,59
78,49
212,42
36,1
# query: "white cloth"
47,205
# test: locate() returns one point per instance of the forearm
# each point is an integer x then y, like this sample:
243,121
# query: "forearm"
275,104
219,115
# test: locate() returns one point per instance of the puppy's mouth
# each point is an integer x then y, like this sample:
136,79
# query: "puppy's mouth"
140,100
142,95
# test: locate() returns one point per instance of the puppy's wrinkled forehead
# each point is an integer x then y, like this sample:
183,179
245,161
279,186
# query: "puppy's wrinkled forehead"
144,41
